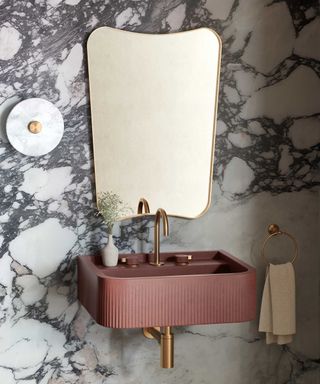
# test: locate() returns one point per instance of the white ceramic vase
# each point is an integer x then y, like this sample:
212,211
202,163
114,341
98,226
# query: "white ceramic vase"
110,253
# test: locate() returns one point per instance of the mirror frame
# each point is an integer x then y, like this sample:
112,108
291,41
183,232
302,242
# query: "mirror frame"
214,124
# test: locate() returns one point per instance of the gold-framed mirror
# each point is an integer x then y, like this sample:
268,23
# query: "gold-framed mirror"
153,107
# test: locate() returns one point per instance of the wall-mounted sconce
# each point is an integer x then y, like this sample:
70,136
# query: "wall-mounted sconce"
35,127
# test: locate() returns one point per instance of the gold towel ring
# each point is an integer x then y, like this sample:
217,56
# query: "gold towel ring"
274,230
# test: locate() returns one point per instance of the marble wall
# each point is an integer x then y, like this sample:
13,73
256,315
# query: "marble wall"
266,170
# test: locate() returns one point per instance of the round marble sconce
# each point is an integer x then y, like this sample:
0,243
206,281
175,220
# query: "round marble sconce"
35,127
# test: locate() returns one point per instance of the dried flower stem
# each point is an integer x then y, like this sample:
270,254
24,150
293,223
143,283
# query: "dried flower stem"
111,207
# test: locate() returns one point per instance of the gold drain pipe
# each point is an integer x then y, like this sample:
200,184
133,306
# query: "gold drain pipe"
166,340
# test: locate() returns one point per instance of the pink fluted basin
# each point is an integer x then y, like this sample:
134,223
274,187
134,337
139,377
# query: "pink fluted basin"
214,287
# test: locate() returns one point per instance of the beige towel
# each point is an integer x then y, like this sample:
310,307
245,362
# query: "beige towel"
278,307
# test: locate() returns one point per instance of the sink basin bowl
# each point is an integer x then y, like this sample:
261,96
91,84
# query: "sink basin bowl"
213,287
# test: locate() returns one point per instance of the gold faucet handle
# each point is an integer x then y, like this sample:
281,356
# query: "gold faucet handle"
182,259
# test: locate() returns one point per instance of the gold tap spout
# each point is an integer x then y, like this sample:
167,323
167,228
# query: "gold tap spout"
143,206
161,213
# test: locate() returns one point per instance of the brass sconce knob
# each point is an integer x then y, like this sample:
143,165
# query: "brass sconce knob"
35,127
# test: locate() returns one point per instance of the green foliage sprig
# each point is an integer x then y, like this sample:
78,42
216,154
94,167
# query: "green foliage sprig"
111,207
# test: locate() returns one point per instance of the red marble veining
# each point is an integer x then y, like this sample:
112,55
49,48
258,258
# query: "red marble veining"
213,288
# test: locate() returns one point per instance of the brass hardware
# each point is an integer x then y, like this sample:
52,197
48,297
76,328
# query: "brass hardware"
161,213
181,259
167,344
166,340
274,230
35,127
189,257
152,333
143,206
131,261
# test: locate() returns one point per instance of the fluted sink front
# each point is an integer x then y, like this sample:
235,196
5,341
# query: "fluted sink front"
214,287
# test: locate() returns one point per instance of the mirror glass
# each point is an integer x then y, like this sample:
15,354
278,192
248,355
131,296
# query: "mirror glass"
153,107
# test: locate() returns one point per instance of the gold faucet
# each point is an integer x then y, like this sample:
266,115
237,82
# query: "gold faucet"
143,205
161,213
